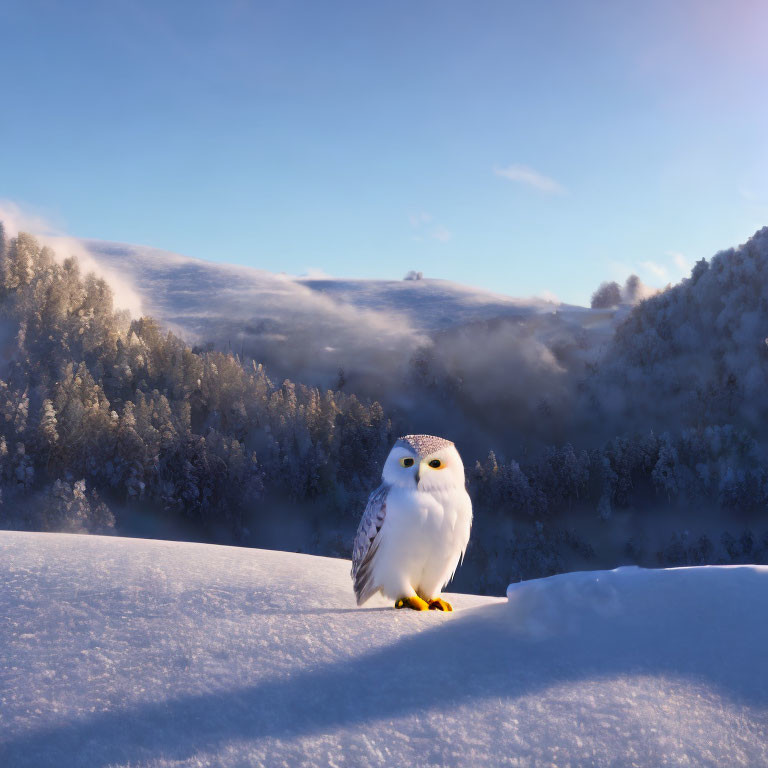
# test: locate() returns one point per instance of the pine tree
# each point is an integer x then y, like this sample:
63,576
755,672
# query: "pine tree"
19,268
47,432
664,474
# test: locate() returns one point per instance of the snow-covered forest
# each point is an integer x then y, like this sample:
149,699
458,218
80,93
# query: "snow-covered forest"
645,449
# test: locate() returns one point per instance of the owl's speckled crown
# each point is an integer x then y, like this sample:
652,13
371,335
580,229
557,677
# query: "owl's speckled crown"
423,445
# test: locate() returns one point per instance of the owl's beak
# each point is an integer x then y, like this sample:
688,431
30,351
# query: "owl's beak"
418,474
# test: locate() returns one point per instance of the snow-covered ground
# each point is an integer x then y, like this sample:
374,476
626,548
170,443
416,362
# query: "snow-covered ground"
135,652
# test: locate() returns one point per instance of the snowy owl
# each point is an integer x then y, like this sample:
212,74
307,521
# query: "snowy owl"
415,527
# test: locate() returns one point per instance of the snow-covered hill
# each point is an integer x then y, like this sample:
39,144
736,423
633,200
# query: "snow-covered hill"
134,652
308,328
185,290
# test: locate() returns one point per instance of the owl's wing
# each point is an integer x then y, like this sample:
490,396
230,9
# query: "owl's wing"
367,543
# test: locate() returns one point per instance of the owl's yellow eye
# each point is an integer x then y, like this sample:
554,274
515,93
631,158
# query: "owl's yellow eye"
436,464
406,462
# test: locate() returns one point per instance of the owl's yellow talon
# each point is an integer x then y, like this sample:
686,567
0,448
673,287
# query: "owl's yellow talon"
414,602
438,604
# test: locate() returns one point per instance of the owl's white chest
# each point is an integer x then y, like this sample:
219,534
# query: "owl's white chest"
422,539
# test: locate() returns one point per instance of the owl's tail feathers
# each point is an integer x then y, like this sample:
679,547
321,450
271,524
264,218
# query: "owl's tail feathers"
365,587
365,593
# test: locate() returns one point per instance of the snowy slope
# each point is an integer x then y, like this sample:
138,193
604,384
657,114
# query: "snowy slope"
308,328
295,331
134,652
185,290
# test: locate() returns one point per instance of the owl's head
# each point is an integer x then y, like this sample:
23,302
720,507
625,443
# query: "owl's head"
425,462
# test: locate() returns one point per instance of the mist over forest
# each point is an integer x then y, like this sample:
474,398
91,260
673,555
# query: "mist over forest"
630,432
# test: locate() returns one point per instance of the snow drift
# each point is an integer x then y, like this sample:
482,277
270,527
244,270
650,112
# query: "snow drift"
134,652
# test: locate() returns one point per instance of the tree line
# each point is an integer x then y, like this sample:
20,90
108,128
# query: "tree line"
106,420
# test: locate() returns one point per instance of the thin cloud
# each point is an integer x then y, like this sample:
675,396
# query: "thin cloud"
442,234
531,178
656,269
679,261
419,219
424,226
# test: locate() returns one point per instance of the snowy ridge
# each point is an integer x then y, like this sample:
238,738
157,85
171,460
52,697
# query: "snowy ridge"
135,652
369,336
186,291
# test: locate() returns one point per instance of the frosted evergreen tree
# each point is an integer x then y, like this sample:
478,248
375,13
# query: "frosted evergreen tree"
24,470
606,296
19,266
47,431
664,473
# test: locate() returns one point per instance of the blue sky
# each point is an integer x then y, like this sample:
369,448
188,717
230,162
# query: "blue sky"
523,147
